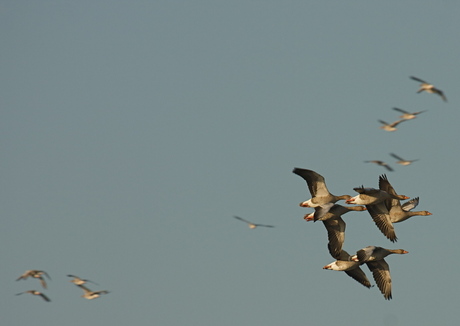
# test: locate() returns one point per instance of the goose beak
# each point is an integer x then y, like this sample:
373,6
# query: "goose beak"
304,204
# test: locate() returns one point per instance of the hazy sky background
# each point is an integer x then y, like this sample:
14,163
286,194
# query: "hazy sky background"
132,132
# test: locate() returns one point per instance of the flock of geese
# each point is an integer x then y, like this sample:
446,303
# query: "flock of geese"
385,208
87,293
406,115
383,205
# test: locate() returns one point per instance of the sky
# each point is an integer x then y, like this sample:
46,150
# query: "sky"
132,132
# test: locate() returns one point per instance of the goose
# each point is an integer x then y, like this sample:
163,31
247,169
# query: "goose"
318,190
390,126
79,281
35,274
408,115
373,257
252,225
393,210
44,297
381,163
91,294
371,196
429,88
351,267
335,226
380,211
401,160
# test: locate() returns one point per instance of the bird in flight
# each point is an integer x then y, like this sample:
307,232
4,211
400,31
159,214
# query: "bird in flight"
35,274
381,163
406,115
401,160
252,225
429,88
44,297
91,294
390,126
79,281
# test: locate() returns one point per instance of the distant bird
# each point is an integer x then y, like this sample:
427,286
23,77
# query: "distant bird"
79,281
318,190
253,225
427,87
35,274
381,163
390,126
44,297
374,258
351,267
91,294
408,115
401,160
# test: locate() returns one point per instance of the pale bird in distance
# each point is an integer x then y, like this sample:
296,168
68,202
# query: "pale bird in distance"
390,126
429,88
91,294
35,274
44,297
79,281
401,160
406,115
381,163
252,225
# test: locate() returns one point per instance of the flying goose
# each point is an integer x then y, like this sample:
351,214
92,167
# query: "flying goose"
390,126
79,281
381,163
371,196
427,87
44,297
408,115
391,210
35,274
318,190
252,225
335,226
351,267
91,294
401,160
374,258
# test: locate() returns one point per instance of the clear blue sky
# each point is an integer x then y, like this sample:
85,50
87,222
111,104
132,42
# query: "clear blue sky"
132,131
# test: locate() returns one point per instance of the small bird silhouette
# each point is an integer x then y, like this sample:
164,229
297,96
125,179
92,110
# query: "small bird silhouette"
408,115
253,225
390,126
79,281
91,294
35,274
401,160
429,88
44,297
381,163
